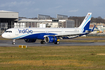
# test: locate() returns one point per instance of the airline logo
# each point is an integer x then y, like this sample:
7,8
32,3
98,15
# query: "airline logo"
25,31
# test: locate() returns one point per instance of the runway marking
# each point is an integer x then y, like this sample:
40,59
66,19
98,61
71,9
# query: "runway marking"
101,54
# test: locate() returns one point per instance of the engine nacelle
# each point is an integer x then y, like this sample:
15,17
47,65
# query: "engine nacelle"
50,39
30,40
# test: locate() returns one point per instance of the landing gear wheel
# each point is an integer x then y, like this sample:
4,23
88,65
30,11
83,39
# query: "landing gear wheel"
42,42
13,43
57,42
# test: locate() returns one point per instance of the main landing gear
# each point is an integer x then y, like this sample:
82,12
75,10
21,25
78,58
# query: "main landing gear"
13,42
57,42
42,42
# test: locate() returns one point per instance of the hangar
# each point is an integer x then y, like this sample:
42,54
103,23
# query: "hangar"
7,19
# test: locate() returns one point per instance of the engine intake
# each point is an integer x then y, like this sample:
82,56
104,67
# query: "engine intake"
50,39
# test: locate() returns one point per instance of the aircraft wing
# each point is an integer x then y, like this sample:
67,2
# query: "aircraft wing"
76,34
68,36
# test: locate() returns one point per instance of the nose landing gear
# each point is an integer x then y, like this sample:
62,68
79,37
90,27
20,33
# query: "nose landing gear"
13,42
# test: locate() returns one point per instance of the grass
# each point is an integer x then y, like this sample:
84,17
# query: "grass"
53,58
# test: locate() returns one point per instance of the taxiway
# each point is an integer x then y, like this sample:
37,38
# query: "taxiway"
8,43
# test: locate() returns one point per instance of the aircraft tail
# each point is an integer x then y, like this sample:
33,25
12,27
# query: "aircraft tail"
86,22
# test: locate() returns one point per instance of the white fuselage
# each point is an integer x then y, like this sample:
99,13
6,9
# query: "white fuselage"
17,33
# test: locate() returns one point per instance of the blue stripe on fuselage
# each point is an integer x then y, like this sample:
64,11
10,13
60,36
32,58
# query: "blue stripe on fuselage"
37,36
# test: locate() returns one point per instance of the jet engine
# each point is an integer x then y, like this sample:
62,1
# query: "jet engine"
30,40
50,39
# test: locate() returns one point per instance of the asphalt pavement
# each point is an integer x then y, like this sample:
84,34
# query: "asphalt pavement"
8,43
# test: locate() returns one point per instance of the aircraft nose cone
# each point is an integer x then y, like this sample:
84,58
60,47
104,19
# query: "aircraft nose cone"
4,35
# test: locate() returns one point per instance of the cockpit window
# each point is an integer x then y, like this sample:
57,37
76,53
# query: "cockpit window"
8,31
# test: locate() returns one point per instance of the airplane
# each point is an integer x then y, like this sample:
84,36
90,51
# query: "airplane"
49,35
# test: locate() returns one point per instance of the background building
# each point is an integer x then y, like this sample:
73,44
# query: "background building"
7,19
47,23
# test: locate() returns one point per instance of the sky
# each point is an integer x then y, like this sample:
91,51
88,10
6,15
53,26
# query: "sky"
31,8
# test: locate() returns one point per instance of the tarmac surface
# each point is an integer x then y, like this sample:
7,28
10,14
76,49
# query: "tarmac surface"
8,43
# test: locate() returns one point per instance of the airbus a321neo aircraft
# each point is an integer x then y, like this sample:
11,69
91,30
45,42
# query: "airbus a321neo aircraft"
48,35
